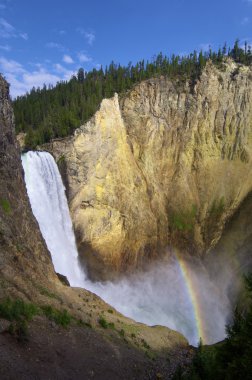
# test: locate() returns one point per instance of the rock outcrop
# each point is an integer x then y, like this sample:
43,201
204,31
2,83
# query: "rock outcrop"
22,248
167,164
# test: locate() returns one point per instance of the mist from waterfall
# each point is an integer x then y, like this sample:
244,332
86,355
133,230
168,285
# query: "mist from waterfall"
160,295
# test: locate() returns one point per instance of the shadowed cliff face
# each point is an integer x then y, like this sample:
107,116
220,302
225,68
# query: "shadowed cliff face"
24,259
235,245
167,164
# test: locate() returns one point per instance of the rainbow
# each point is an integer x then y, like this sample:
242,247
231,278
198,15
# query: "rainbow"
194,296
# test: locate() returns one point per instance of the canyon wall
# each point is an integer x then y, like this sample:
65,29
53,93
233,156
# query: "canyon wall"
166,165
24,259
26,272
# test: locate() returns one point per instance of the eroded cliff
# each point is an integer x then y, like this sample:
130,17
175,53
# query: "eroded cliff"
166,165
22,248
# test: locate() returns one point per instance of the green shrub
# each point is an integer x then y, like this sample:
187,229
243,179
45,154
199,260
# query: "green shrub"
46,292
62,318
5,204
184,220
234,358
145,344
19,313
17,310
61,160
122,332
103,323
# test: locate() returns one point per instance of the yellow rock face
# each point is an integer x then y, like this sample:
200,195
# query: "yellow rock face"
165,165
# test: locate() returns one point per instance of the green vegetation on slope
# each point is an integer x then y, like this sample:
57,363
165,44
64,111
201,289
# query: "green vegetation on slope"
17,310
52,112
19,313
4,203
184,220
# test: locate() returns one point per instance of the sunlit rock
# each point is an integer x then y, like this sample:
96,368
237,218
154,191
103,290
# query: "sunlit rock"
167,164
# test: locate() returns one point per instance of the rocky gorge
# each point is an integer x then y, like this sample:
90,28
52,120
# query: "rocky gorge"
164,166
99,342
160,170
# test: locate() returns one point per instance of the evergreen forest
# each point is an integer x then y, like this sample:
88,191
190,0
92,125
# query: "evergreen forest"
53,112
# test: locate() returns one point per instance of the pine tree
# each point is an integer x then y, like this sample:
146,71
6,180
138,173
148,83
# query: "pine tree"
81,75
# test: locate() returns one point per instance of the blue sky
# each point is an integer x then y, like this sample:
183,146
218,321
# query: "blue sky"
47,41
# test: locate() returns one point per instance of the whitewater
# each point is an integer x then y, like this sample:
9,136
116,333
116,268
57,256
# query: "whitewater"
181,297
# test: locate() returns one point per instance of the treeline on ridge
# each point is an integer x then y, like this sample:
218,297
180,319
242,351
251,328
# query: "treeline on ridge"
52,112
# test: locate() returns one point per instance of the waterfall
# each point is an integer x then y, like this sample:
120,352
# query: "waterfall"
49,206
177,295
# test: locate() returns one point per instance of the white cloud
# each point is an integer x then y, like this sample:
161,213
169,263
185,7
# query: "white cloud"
11,66
58,67
55,45
65,73
22,80
38,65
6,25
18,87
6,29
89,36
60,32
38,78
245,21
24,36
205,46
67,59
5,47
84,58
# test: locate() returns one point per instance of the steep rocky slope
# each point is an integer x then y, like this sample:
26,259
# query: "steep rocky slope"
167,164
99,342
22,249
